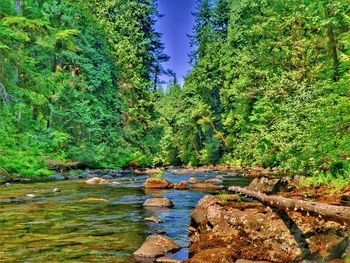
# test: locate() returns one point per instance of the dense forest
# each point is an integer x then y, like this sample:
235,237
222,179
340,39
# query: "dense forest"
80,81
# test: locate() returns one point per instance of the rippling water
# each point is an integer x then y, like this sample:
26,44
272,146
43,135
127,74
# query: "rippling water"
91,223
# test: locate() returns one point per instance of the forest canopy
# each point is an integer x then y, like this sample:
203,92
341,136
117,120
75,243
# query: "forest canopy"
80,80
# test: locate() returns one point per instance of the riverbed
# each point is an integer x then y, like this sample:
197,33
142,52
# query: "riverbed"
93,223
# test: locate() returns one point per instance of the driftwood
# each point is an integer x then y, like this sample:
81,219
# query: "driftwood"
339,214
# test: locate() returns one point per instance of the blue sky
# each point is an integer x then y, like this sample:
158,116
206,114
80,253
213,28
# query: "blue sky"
176,23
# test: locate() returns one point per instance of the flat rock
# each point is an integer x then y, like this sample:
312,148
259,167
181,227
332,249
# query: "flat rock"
156,246
167,260
158,183
208,186
181,185
158,202
213,181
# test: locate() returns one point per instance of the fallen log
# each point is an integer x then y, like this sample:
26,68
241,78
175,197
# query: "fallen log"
340,214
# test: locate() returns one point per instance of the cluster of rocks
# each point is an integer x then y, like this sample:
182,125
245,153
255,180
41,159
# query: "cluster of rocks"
222,231
156,247
193,183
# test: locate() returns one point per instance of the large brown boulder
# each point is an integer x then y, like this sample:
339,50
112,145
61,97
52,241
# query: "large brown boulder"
228,231
207,186
266,185
156,246
158,202
158,183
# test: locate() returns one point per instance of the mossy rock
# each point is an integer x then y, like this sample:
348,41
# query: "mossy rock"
5,176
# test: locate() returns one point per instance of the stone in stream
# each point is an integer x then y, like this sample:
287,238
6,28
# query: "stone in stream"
167,260
154,219
193,180
156,246
181,185
158,202
96,180
158,183
56,190
213,181
207,186
30,195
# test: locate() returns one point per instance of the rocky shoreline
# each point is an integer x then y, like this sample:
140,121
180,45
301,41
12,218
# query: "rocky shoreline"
250,231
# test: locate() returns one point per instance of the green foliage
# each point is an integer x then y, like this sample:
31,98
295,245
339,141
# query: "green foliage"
269,86
78,85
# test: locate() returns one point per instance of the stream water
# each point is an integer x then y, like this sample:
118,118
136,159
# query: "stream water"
92,223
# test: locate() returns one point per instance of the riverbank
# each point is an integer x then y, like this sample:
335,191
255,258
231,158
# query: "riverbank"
239,229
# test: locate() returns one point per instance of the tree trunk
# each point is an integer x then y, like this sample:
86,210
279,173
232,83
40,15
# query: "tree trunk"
18,6
333,50
339,214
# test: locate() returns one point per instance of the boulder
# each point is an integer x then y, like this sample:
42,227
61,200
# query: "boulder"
57,177
181,185
213,181
158,183
154,219
265,185
96,180
254,232
207,186
158,202
193,180
156,246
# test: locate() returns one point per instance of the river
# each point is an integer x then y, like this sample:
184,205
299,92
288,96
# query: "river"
93,223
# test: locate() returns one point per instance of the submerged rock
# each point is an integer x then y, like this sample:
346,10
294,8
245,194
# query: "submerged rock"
208,186
93,200
156,246
181,185
96,180
158,183
158,202
154,219
254,232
